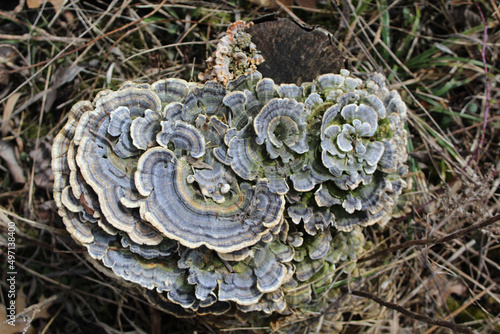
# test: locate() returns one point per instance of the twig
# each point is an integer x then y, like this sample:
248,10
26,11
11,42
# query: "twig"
433,241
52,230
462,308
167,46
289,12
34,309
413,315
47,38
37,141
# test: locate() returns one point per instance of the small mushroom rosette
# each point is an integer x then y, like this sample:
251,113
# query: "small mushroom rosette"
235,55
245,196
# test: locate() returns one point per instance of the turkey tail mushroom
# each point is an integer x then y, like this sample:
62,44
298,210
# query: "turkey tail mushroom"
236,194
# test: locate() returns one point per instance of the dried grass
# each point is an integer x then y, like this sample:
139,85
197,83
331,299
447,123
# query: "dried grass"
441,56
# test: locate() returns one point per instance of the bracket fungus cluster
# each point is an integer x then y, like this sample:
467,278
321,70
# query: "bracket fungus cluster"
245,195
236,54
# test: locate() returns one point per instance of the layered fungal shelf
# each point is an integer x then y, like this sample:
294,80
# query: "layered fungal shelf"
236,194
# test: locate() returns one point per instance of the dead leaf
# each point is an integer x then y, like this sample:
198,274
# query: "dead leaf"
198,163
443,285
61,76
307,3
33,3
8,154
44,178
57,4
271,3
22,324
7,113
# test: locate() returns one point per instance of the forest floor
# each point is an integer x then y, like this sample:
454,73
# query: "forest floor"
444,268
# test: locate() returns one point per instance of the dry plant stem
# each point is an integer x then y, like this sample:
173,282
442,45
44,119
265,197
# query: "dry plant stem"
425,260
37,142
414,121
48,38
54,317
50,229
167,46
462,308
433,241
414,315
247,329
449,184
465,276
33,309
72,289
64,53
483,55
289,12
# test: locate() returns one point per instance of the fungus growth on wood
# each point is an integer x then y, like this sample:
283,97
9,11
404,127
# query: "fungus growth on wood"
242,195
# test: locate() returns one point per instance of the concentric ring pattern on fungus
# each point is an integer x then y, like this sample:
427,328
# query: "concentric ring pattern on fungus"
245,196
